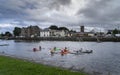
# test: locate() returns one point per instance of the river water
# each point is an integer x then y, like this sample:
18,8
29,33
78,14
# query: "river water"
104,59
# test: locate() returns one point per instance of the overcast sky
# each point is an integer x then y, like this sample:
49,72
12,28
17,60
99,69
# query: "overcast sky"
69,13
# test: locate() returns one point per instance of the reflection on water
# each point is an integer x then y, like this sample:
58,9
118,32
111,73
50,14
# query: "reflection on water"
105,57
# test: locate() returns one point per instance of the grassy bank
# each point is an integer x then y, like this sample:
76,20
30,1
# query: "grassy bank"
12,66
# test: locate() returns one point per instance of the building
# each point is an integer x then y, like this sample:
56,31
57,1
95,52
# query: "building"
24,32
117,35
82,29
52,33
31,31
45,33
100,34
91,34
84,34
58,33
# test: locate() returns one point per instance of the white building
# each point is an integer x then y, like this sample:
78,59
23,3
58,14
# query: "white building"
58,33
53,33
117,35
91,34
45,33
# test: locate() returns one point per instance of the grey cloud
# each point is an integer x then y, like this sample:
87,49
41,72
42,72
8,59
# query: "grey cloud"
22,9
11,9
101,11
63,2
57,3
26,12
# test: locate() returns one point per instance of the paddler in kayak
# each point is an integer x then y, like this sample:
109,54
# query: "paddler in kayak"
62,52
34,49
40,48
52,51
54,48
66,50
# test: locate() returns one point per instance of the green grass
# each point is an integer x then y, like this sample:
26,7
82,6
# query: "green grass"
12,66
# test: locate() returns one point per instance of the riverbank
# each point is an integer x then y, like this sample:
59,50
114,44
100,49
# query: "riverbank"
90,39
14,66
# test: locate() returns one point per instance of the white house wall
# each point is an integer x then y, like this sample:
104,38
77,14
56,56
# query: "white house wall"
59,33
44,34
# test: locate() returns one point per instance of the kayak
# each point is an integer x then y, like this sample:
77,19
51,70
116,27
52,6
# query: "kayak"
64,52
57,49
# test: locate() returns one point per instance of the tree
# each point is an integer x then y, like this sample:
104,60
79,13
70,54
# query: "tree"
63,28
8,34
2,35
53,27
17,31
115,31
72,31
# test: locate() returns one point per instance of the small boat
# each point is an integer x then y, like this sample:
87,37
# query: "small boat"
4,44
87,51
18,41
76,53
80,52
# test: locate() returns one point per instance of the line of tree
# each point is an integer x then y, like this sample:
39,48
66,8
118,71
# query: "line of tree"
6,34
17,31
116,31
54,27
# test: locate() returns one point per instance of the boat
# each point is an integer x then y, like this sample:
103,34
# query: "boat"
17,40
80,52
75,53
4,44
87,51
